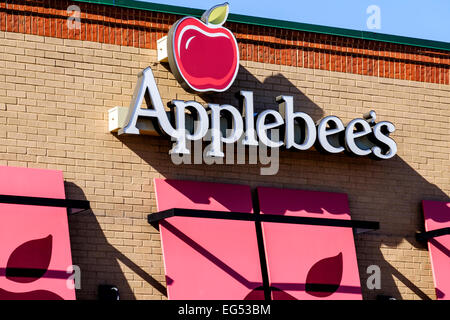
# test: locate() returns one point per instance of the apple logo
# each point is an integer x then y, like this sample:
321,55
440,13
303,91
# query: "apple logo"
203,55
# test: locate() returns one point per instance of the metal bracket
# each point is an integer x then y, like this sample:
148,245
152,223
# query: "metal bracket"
357,225
425,236
73,206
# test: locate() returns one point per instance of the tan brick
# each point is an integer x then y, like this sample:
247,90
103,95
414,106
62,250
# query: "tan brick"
53,115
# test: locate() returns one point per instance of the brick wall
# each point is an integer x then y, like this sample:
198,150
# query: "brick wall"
54,97
141,29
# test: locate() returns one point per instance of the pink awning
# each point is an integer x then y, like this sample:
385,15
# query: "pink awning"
306,261
208,258
437,216
35,246
307,237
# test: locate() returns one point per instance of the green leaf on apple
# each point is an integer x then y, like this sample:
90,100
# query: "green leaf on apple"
217,15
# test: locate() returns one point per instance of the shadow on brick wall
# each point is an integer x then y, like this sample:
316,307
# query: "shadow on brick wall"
97,258
398,190
387,191
265,92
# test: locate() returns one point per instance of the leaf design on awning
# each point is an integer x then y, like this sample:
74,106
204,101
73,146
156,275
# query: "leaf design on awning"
30,261
325,276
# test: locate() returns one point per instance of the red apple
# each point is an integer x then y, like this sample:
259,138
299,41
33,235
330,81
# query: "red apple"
203,56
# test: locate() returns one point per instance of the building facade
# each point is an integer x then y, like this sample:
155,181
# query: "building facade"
57,85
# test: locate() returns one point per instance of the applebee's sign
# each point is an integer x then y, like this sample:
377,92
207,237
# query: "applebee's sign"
361,136
202,54
199,69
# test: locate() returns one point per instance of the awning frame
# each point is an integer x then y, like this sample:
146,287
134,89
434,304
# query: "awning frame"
72,206
358,226
426,236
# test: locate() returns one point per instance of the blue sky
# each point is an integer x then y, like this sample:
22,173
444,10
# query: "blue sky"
412,18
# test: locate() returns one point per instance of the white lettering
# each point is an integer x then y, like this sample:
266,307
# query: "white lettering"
262,127
356,130
325,134
307,127
188,120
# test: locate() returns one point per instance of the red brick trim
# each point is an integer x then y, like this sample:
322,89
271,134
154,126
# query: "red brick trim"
138,28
